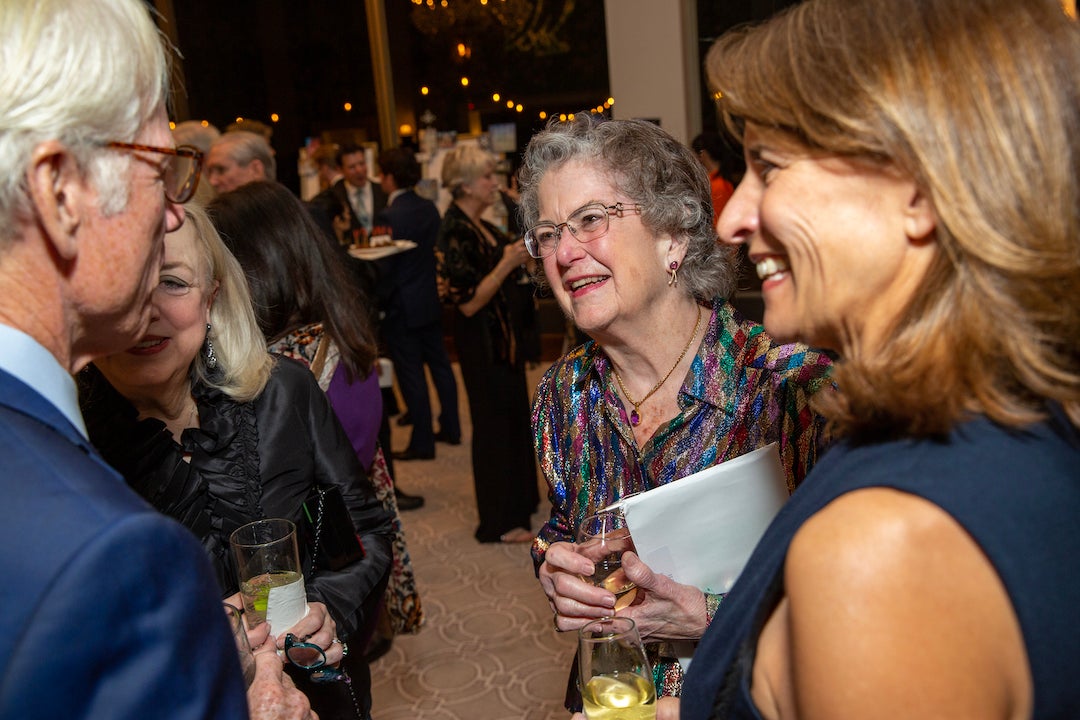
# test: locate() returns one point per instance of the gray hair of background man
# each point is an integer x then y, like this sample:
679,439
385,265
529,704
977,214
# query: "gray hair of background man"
122,79
196,134
244,146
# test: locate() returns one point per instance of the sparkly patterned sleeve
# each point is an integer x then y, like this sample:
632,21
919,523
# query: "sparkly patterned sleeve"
712,604
548,439
802,434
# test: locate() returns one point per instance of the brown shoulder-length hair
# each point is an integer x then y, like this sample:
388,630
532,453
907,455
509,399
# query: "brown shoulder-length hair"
977,101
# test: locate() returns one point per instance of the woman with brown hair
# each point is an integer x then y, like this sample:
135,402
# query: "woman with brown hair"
911,202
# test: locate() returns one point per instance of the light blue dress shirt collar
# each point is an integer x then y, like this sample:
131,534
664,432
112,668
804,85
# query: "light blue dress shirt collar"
29,361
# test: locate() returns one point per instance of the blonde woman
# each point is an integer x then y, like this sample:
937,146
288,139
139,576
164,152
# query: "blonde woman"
211,430
478,268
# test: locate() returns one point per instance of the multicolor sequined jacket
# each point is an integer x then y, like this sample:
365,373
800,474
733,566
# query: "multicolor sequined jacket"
743,391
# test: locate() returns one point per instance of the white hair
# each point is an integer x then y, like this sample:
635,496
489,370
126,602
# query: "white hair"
82,72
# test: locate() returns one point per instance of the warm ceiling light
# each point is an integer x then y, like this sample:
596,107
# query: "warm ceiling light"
464,82
405,129
206,123
274,117
562,117
172,125
495,97
348,107
543,115
424,90
510,103
570,117
610,101
239,119
518,107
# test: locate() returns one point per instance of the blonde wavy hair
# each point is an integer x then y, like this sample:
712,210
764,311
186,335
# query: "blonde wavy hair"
987,122
243,363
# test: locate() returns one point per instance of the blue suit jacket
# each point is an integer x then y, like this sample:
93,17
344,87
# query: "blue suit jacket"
407,290
109,609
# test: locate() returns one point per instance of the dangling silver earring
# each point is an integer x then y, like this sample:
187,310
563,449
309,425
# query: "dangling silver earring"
211,358
674,279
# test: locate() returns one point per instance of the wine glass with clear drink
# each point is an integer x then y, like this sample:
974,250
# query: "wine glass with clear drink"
603,538
616,681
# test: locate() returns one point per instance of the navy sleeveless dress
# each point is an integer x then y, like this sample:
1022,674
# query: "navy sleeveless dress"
1016,492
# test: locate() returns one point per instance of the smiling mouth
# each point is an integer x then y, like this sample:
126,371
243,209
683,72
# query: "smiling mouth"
770,267
149,343
584,282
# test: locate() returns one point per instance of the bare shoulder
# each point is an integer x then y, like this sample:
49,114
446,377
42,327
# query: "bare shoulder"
893,607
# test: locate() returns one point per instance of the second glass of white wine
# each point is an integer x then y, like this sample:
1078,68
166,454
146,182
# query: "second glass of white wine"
616,681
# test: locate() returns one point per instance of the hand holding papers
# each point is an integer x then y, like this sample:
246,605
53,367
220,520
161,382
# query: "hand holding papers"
701,529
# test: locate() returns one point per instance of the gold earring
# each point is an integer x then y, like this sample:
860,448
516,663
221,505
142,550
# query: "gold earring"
673,281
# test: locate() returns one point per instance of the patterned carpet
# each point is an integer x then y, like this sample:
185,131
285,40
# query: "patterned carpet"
487,650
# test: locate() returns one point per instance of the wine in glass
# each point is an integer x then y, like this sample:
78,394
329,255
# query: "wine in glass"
616,681
268,568
603,538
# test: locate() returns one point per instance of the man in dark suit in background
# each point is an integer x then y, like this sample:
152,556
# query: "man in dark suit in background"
110,609
412,321
355,191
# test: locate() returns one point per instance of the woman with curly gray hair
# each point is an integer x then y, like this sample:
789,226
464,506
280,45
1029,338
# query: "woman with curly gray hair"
673,381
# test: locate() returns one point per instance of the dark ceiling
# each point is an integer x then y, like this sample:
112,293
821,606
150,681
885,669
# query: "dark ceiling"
305,60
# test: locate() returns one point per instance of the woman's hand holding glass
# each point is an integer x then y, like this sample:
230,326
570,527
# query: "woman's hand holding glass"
664,609
574,601
317,628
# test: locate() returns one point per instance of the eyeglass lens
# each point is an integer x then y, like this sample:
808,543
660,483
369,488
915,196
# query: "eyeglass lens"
181,178
585,224
304,655
311,657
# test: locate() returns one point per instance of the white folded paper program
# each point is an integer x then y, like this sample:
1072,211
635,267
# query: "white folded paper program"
700,530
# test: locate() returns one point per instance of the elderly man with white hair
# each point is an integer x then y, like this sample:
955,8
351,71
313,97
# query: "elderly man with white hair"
110,609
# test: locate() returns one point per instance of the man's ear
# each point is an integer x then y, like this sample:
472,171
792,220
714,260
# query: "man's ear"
257,170
59,193
920,220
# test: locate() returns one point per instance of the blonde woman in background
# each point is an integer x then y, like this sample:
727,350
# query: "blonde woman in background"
478,268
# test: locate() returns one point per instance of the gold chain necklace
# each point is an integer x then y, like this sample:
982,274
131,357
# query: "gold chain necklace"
635,418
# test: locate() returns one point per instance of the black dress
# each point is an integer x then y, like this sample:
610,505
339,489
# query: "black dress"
250,461
487,344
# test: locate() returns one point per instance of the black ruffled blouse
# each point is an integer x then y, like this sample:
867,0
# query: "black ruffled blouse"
249,461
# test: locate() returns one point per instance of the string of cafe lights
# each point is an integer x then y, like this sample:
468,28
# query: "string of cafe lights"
498,100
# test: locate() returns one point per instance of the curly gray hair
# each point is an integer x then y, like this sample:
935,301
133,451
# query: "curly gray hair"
654,170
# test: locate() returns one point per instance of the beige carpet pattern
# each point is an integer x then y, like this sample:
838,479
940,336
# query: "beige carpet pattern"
487,650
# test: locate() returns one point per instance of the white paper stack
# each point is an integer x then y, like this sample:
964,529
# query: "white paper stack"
701,529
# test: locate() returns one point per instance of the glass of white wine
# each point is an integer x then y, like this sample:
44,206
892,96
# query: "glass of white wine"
616,681
268,568
603,538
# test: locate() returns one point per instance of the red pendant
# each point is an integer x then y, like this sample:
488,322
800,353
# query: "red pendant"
635,419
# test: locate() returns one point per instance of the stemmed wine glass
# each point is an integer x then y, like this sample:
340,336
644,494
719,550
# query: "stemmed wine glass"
603,538
616,681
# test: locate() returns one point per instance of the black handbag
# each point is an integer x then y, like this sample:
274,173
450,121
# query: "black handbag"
330,536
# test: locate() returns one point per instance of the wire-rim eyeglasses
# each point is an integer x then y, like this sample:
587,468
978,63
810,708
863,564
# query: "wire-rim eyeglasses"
586,224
